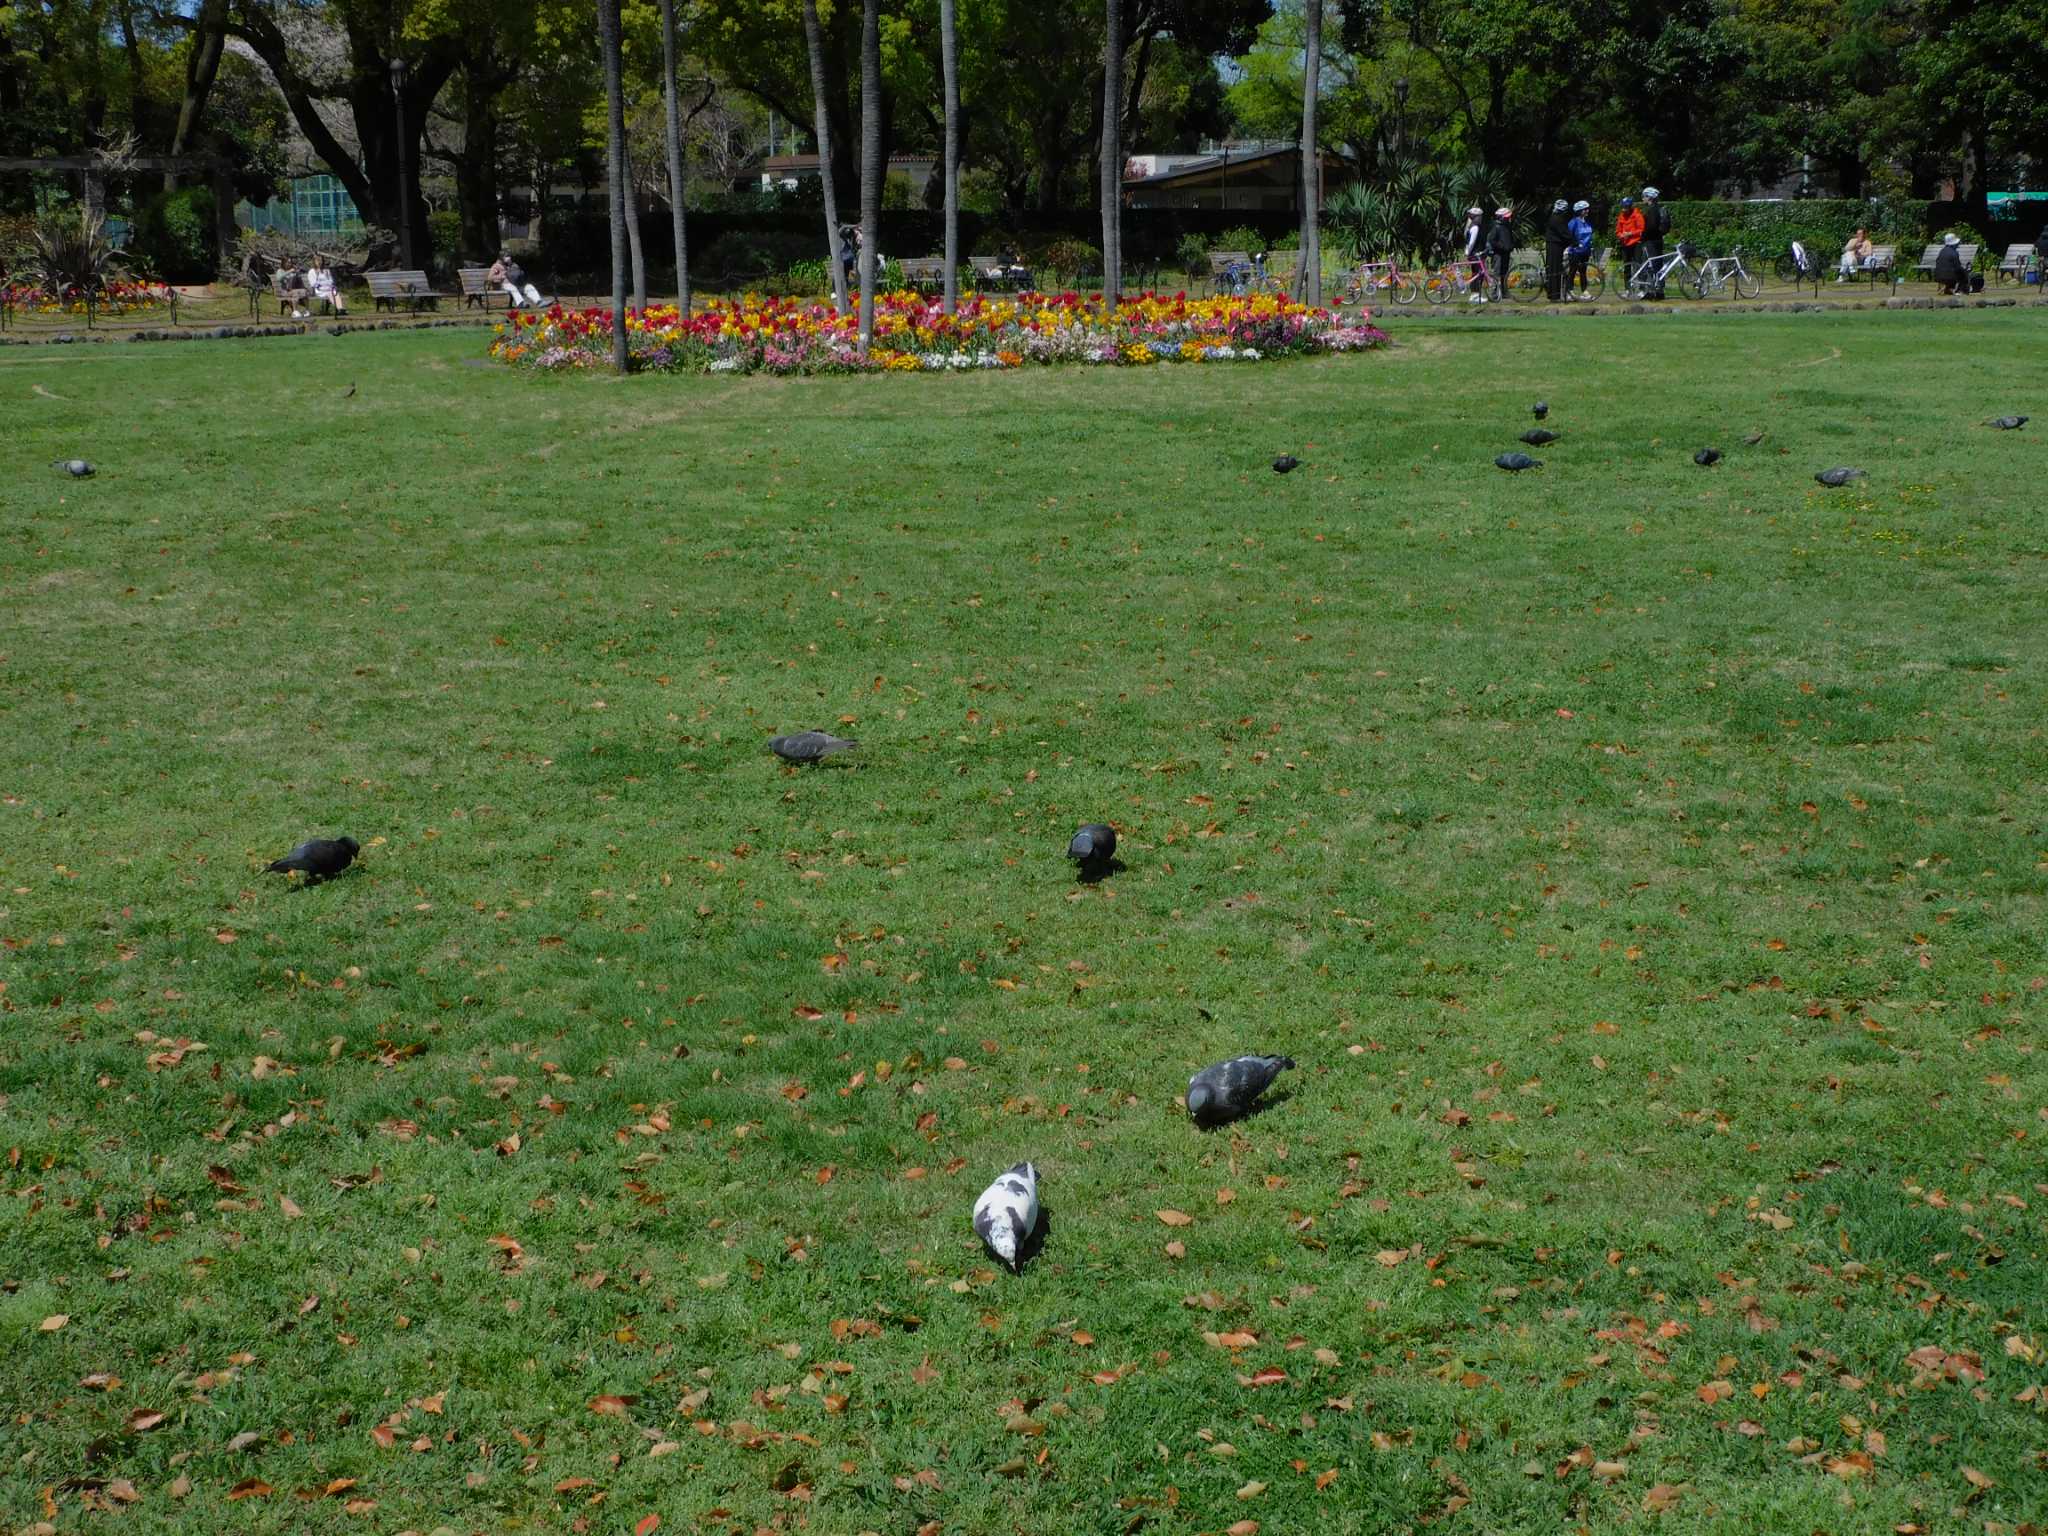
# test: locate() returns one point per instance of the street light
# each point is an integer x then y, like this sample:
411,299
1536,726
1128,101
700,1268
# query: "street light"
404,177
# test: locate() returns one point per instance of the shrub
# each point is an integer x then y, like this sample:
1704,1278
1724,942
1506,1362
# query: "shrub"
743,257
174,234
807,277
444,226
1765,231
1191,255
1070,258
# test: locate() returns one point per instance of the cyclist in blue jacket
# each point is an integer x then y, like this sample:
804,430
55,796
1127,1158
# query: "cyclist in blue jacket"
1580,251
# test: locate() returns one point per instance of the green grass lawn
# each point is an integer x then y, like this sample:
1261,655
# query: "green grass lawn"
1645,864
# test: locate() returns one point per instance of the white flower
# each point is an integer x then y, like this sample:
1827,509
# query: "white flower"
725,365
1250,354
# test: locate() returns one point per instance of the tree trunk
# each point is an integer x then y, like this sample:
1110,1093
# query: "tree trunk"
202,66
870,162
1112,150
476,168
814,40
633,231
949,66
677,172
1310,290
615,168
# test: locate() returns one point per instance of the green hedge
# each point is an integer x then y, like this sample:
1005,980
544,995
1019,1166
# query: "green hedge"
1765,231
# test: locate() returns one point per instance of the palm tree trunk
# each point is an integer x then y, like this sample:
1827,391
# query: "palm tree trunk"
1310,289
870,162
633,231
677,170
949,64
1112,150
814,40
615,168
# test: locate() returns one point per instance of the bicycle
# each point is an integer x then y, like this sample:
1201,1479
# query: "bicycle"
1672,267
1469,275
1370,277
1245,279
1798,265
1527,283
1719,273
1596,283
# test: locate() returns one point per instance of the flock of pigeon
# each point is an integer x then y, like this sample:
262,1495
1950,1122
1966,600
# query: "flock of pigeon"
1007,1216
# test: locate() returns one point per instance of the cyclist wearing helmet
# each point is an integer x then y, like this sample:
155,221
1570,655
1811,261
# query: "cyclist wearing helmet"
1656,225
1628,235
1580,251
1556,236
1500,244
1475,251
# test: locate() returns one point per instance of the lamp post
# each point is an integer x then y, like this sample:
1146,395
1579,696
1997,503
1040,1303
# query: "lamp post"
398,73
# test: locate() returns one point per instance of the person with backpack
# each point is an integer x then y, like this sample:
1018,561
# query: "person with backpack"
1628,237
1556,236
1656,225
1500,245
1580,252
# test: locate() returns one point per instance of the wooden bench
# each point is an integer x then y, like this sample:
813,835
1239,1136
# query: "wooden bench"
294,297
478,289
2015,263
994,272
926,274
388,290
1220,264
1882,262
1926,262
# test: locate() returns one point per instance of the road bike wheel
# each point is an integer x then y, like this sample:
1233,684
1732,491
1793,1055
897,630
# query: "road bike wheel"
1692,285
1437,288
1788,270
1526,284
1402,290
1748,285
1354,294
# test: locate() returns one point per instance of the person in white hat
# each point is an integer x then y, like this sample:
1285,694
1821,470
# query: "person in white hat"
1475,251
1500,245
1580,252
1656,225
1948,263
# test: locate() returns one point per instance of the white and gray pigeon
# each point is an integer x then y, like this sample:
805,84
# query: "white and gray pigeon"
1228,1089
1007,1214
809,746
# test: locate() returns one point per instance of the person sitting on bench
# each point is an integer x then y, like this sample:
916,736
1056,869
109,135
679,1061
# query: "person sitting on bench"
506,273
320,280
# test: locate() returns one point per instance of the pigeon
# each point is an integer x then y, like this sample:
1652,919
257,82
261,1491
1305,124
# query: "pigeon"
2007,423
1540,409
1093,846
1838,477
318,858
1536,437
77,469
1515,463
1286,463
809,746
1754,438
1007,1214
349,393
1229,1088
1707,458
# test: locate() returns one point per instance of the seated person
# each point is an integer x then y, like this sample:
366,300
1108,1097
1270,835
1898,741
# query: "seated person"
291,290
1855,255
320,279
507,274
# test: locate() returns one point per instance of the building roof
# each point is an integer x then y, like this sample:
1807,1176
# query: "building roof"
1201,168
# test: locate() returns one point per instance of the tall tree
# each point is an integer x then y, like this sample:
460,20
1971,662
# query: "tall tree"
615,166
814,41
202,66
1310,289
949,70
676,178
1112,150
634,249
870,162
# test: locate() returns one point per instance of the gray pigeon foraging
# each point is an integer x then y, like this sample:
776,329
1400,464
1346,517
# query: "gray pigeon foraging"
1540,409
1515,463
1755,437
318,858
1007,1213
809,746
1093,846
1839,476
1285,463
1229,1089
77,469
1707,458
2007,423
1537,437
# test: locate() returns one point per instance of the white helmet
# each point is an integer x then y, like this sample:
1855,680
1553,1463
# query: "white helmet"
1558,206
1582,206
1475,212
1651,192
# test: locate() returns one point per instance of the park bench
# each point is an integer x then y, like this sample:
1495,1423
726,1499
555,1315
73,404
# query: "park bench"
1220,263
2015,263
1883,262
993,272
388,290
926,274
1925,265
477,287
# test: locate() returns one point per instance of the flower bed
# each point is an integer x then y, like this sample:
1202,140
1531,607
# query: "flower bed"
913,334
115,297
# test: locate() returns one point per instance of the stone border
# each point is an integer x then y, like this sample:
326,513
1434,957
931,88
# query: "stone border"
241,332
1699,307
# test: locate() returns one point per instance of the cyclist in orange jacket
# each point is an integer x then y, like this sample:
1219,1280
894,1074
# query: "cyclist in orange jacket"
1628,235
